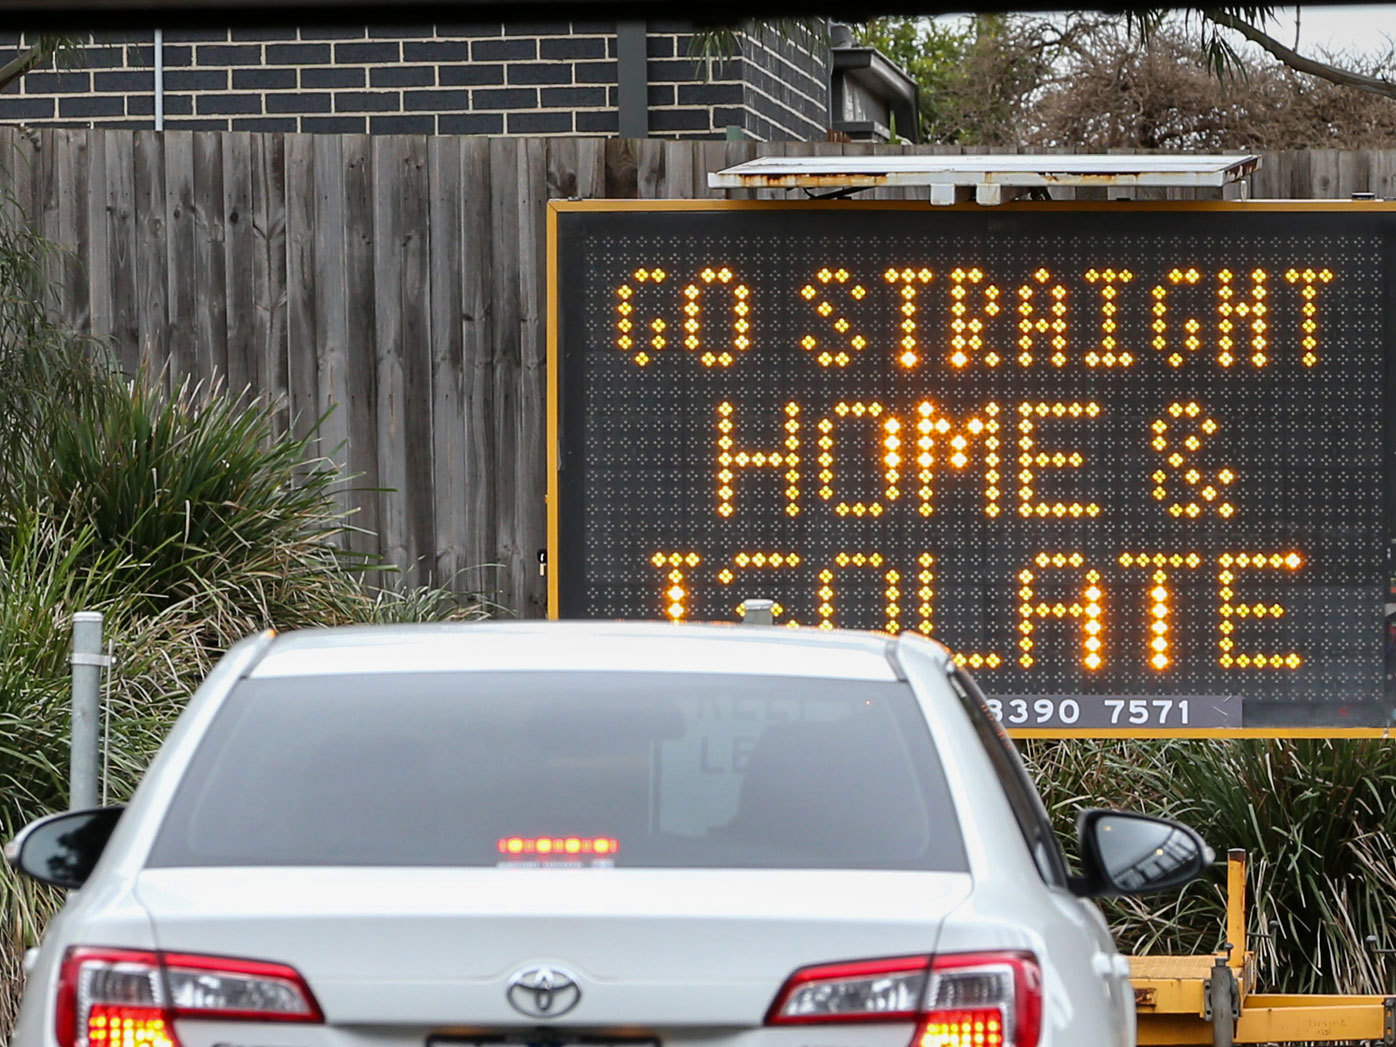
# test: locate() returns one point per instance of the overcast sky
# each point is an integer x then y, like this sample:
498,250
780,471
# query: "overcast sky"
1356,27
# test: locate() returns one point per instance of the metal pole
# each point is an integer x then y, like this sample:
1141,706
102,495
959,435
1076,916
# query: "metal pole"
159,79
632,80
87,662
106,720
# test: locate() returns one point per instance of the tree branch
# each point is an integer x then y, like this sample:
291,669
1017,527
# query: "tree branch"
36,55
1343,77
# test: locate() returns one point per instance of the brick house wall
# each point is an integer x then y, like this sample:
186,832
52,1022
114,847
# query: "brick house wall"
525,79
785,86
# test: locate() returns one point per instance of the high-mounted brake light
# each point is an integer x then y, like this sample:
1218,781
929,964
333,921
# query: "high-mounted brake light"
557,846
987,999
131,998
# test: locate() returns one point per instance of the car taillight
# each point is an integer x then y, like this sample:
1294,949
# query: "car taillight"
131,998
866,990
112,998
988,999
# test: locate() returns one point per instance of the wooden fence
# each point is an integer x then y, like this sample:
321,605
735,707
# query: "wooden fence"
394,286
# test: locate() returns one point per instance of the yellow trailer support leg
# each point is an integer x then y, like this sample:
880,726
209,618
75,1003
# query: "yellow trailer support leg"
1236,907
1186,1000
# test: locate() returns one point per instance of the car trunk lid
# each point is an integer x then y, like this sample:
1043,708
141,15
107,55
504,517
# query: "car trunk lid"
437,948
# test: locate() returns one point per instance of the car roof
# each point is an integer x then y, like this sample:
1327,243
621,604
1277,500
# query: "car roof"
579,647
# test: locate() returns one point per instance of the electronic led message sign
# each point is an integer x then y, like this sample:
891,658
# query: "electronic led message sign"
1127,462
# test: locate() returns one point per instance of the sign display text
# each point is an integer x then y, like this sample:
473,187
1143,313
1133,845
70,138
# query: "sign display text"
1125,462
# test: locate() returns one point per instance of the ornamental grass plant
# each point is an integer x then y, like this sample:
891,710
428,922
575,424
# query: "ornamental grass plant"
187,518
1317,821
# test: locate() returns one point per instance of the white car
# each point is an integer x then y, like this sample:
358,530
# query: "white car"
610,835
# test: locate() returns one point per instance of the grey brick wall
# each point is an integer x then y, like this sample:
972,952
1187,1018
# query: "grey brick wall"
786,86
526,79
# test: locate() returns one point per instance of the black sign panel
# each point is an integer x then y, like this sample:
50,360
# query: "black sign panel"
1125,455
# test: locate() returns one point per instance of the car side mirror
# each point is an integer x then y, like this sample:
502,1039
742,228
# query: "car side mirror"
62,849
1124,853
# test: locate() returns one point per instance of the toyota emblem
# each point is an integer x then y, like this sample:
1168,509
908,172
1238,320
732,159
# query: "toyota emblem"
544,992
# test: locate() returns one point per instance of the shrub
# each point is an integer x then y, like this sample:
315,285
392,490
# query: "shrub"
1317,823
190,526
184,518
206,501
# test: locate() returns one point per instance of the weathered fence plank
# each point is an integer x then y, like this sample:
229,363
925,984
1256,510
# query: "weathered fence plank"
711,156
447,356
302,311
678,170
530,482
209,277
94,247
47,195
481,465
1323,170
180,254
331,355
649,169
622,170
415,309
389,162
395,288
361,308
1383,173
120,237
506,363
74,178
152,322
11,207
591,168
269,271
1354,173
239,246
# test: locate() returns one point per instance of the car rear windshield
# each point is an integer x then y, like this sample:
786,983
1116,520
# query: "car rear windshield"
549,768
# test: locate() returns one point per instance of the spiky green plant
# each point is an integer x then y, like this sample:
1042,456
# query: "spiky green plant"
186,519
41,583
189,529
198,490
1317,823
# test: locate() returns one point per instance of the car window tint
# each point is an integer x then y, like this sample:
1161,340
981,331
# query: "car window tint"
697,770
1017,785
